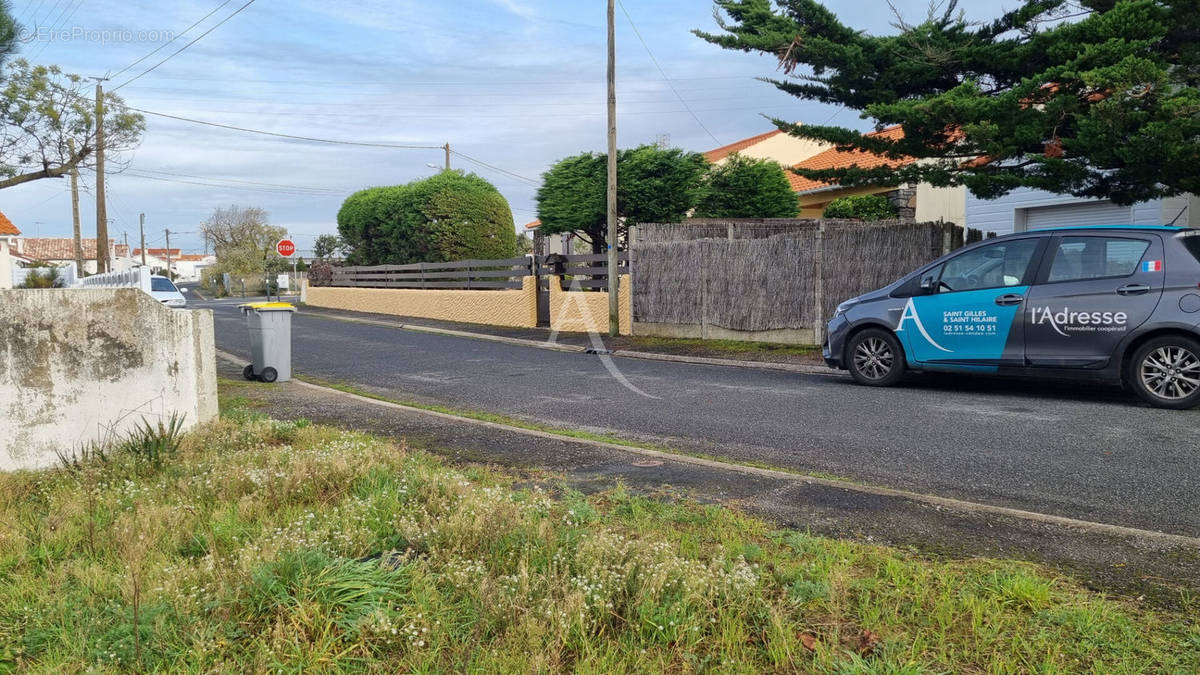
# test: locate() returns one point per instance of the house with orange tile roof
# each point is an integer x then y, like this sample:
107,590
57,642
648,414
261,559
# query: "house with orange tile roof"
919,202
775,145
60,251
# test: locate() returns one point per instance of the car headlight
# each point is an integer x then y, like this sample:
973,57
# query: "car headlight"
843,308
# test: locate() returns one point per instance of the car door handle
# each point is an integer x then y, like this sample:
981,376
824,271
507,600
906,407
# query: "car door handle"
1134,289
1010,299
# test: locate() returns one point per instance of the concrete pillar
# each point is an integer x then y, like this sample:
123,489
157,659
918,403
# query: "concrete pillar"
6,266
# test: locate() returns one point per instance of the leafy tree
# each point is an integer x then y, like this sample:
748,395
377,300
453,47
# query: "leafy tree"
524,244
9,30
244,242
43,110
743,187
653,186
447,217
862,207
327,245
1096,98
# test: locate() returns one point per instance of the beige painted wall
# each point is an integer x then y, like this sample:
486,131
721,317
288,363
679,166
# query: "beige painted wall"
84,365
498,308
580,312
785,149
936,204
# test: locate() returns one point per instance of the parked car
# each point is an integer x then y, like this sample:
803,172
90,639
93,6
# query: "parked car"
165,291
1120,304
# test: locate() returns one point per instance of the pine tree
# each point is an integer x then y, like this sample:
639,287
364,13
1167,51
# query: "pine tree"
1095,98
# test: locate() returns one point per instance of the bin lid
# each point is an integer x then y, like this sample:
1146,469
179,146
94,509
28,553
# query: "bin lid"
270,306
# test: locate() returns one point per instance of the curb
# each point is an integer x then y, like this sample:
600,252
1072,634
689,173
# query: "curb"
931,500
732,363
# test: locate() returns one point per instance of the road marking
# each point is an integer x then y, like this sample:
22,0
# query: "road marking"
933,500
555,346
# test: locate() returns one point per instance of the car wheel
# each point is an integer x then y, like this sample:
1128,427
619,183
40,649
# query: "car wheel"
875,358
1165,372
248,373
268,374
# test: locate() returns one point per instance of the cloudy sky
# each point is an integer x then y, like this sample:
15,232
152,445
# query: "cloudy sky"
514,84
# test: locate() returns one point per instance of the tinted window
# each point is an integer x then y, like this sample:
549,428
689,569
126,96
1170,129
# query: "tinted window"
1192,243
995,266
1082,258
157,284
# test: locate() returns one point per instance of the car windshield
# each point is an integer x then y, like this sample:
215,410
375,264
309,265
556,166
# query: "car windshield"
161,284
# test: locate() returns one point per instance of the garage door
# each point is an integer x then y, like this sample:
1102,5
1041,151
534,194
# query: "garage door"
1074,215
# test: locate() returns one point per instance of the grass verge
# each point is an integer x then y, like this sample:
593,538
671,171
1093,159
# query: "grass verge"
264,545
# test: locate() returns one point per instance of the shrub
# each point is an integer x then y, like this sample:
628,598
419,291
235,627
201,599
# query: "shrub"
862,207
447,217
43,278
320,273
743,187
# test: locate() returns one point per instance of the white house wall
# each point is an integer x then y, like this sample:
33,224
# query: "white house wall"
1001,215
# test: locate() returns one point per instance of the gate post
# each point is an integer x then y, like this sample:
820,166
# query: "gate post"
819,285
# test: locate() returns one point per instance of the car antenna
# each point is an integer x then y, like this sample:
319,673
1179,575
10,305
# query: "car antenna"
1181,212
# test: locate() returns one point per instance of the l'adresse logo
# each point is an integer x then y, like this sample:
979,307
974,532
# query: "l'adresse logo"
1066,321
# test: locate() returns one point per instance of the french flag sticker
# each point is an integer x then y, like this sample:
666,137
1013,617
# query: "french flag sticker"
1152,266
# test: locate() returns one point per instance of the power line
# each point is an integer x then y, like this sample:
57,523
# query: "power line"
463,114
447,83
185,32
62,18
480,100
307,192
664,73
506,172
310,139
180,50
244,182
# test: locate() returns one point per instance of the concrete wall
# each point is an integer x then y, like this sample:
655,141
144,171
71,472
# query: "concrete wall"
935,203
581,312
498,308
791,336
83,365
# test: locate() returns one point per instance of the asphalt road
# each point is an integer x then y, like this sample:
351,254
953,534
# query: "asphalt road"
1072,450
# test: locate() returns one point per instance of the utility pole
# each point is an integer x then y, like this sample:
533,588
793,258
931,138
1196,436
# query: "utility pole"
101,209
75,210
168,253
614,305
446,147
142,230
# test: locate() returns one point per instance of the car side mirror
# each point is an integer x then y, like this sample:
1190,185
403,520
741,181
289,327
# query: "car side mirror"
183,290
928,285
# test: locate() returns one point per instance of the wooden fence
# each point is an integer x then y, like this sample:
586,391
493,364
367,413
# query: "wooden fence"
464,274
586,272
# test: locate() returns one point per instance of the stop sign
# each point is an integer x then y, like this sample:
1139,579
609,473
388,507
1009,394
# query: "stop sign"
286,248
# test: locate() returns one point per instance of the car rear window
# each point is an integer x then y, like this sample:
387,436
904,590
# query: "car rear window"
162,285
1192,244
1082,258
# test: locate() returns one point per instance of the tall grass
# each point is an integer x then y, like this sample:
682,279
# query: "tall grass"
264,545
